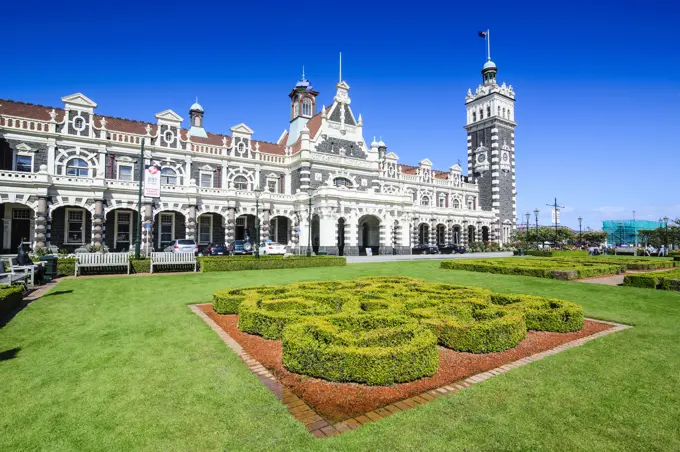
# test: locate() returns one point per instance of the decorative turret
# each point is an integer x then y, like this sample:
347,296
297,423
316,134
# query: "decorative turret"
302,107
196,115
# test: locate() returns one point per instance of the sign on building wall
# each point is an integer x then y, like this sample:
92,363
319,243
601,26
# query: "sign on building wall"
556,218
152,181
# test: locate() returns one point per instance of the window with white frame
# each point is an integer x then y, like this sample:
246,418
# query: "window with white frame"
123,227
307,107
77,167
75,226
169,136
23,163
78,124
240,183
167,229
125,171
205,229
168,176
342,182
456,204
441,201
272,186
425,201
206,179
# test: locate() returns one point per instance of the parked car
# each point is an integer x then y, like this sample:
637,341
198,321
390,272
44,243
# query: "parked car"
240,247
270,247
214,249
425,249
182,246
452,249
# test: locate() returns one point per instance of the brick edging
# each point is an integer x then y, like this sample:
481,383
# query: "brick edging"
321,427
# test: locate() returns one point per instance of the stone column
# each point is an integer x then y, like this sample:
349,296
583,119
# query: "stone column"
147,228
463,233
479,232
433,232
41,223
191,223
328,236
352,236
231,224
294,236
264,228
97,223
414,232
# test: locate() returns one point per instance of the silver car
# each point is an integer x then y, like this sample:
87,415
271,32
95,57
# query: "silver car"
182,246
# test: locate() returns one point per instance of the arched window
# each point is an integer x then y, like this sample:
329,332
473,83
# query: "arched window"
307,107
441,202
168,176
77,167
425,201
481,113
456,204
504,112
498,113
296,109
240,183
342,182
197,121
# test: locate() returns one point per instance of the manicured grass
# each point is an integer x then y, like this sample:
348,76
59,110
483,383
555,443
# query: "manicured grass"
122,364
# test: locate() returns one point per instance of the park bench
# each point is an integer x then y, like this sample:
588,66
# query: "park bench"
172,259
102,260
16,274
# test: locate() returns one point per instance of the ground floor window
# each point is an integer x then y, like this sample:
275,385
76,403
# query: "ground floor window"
205,229
75,226
123,228
167,229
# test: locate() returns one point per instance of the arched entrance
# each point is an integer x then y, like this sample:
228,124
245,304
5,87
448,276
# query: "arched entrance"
369,234
17,226
120,229
71,227
341,237
471,234
279,229
457,231
485,234
441,235
245,228
315,233
423,234
168,226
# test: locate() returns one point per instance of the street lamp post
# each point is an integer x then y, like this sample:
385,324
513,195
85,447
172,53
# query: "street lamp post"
665,219
309,222
536,212
528,215
580,221
258,193
138,236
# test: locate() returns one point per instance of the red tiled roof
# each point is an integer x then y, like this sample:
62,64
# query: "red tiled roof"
408,169
41,112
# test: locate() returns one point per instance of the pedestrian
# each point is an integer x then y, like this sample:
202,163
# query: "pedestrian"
662,251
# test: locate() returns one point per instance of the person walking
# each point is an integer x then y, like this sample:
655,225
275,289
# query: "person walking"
662,251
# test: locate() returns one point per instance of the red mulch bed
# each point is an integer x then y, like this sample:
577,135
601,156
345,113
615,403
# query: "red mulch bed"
340,401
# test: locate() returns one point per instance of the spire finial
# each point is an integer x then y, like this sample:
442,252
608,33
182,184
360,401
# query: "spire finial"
303,72
196,99
488,45
340,81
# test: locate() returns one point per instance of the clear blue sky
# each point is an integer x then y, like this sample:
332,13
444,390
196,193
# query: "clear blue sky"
597,83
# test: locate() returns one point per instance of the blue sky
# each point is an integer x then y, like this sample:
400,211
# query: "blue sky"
597,83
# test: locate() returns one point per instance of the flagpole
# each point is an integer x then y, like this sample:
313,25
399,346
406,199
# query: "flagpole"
488,45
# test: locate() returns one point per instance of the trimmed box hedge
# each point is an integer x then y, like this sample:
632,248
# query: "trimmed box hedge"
10,298
669,280
346,330
554,268
236,263
557,253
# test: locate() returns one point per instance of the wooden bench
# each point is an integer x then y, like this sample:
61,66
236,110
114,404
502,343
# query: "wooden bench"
172,259
15,275
102,260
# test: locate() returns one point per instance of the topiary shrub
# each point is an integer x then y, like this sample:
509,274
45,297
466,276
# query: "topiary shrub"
237,263
374,350
10,298
544,314
643,281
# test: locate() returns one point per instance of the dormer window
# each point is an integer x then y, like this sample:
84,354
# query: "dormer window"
307,107
169,136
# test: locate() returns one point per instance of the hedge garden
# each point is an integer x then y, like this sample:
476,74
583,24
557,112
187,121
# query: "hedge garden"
669,280
385,330
555,268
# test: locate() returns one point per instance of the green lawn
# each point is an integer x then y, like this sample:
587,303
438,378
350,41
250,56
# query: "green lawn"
122,364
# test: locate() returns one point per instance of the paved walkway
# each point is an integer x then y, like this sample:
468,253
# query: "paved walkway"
611,280
413,257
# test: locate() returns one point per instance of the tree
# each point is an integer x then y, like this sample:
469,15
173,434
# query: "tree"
594,238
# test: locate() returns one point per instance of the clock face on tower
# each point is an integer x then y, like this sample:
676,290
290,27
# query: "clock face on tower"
506,157
481,158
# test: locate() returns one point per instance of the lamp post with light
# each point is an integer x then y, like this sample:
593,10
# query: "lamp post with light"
536,212
580,221
528,215
665,219
258,193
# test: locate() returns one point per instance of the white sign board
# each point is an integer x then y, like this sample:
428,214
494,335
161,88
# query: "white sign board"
152,181
369,251
555,218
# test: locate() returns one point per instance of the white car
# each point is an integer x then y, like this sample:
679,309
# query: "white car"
270,247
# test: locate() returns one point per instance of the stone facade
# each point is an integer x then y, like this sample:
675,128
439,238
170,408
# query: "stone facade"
362,197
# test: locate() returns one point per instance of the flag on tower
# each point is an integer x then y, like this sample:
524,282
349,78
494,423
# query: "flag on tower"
482,34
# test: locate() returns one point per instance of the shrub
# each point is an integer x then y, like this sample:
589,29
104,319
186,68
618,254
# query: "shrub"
374,350
543,268
557,253
668,280
544,314
236,263
10,298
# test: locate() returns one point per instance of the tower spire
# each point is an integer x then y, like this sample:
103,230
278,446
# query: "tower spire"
340,81
488,45
303,72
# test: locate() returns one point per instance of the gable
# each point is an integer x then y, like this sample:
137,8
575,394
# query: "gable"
242,129
79,100
169,116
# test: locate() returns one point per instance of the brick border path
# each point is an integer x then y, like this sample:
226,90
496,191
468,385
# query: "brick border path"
321,427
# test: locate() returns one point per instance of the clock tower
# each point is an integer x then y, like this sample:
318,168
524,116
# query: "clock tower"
490,130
